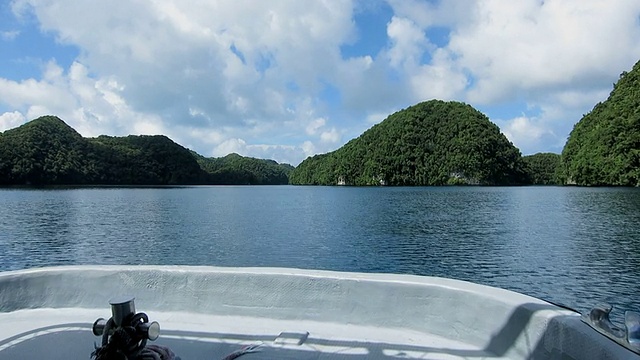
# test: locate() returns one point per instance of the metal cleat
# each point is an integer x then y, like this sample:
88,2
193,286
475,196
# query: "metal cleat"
599,318
629,337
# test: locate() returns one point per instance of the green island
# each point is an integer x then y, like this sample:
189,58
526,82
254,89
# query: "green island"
604,146
431,143
440,143
47,151
544,168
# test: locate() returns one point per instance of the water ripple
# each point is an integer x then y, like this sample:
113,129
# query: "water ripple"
573,246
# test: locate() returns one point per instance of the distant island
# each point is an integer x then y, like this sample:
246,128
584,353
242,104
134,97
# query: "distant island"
431,143
47,151
544,168
450,143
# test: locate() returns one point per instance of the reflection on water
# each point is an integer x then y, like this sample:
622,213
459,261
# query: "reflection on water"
575,246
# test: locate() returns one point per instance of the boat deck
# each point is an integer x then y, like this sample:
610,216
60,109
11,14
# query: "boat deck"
208,313
197,336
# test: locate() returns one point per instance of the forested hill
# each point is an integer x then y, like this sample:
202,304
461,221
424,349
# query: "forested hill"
544,168
431,143
46,151
604,146
236,169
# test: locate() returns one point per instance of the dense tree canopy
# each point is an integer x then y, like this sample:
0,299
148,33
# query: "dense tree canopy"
431,143
153,160
48,151
543,168
236,169
604,146
44,151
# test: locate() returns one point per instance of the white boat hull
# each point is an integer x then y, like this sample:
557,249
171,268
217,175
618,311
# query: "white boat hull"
207,312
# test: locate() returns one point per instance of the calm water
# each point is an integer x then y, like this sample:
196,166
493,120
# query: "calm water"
574,246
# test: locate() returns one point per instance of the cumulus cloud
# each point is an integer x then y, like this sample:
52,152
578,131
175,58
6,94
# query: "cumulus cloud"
230,146
408,43
9,35
516,47
249,67
314,125
91,106
248,76
10,120
330,136
526,132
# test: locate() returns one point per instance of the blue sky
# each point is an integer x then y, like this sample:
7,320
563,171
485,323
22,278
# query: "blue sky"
289,79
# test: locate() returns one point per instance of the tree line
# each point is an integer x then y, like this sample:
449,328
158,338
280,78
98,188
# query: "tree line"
430,143
46,151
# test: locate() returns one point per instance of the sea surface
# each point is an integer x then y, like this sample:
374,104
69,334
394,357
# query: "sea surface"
574,246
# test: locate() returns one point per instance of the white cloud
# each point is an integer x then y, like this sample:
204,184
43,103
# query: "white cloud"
9,35
10,120
308,148
314,125
331,136
229,146
31,92
92,107
230,59
515,47
439,80
247,76
408,43
525,131
247,67
95,109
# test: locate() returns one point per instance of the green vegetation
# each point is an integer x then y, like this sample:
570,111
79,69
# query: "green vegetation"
236,169
46,151
149,160
544,168
431,143
604,146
